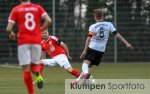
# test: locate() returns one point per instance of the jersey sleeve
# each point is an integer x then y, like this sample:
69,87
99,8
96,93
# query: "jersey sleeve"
91,31
112,28
13,16
42,11
58,41
54,38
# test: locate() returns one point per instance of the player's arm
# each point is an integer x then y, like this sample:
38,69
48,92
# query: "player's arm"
66,49
10,31
43,55
86,44
122,39
11,23
45,17
9,27
47,22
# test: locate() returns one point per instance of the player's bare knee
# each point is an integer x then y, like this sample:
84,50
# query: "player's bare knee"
41,62
69,69
87,62
25,67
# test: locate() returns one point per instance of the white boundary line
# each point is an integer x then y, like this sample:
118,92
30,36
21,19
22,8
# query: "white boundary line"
9,66
24,87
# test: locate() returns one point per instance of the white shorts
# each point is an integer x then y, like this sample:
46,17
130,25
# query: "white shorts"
61,60
29,53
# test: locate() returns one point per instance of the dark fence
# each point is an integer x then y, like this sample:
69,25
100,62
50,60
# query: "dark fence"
73,18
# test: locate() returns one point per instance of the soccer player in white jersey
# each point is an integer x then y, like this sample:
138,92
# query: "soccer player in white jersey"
96,43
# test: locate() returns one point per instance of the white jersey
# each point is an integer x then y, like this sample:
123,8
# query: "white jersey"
100,31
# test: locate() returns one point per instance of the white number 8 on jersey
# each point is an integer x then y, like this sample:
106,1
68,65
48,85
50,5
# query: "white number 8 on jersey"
29,19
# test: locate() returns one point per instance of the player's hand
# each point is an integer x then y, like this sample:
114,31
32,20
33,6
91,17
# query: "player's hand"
12,36
83,55
69,57
129,46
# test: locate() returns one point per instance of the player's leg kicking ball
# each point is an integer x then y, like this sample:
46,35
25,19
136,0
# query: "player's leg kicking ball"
88,80
39,80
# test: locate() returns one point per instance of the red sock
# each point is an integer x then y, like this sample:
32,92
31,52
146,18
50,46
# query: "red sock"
28,82
38,68
75,73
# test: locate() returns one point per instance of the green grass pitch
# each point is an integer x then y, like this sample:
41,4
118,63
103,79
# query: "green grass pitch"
11,81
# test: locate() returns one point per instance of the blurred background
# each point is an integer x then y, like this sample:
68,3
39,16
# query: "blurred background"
71,21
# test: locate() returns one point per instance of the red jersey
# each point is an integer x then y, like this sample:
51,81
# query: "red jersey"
28,17
52,47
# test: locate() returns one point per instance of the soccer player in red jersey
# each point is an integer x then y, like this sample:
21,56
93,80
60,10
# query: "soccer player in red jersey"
28,17
57,51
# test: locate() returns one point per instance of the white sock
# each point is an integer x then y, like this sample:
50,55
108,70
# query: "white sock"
80,77
85,68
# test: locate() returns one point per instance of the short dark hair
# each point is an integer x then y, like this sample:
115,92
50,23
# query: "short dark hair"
98,13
